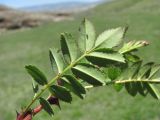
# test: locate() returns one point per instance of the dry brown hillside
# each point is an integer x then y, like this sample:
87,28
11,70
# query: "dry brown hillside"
11,19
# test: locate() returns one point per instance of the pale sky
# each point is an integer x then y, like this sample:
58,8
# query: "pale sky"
23,3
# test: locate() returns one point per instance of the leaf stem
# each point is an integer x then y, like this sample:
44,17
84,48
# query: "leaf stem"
89,86
39,94
126,81
136,80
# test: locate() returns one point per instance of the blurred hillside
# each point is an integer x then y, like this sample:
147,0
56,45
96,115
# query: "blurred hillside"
33,16
31,47
12,19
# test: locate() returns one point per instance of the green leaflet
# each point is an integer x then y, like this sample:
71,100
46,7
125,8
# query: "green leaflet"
140,87
61,92
90,32
56,59
144,73
110,38
86,39
89,74
131,88
118,87
66,84
113,72
132,45
37,75
107,54
145,70
152,90
69,47
154,70
132,71
76,84
73,85
46,106
131,58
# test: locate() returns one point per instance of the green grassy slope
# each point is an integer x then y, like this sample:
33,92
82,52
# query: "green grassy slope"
31,47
